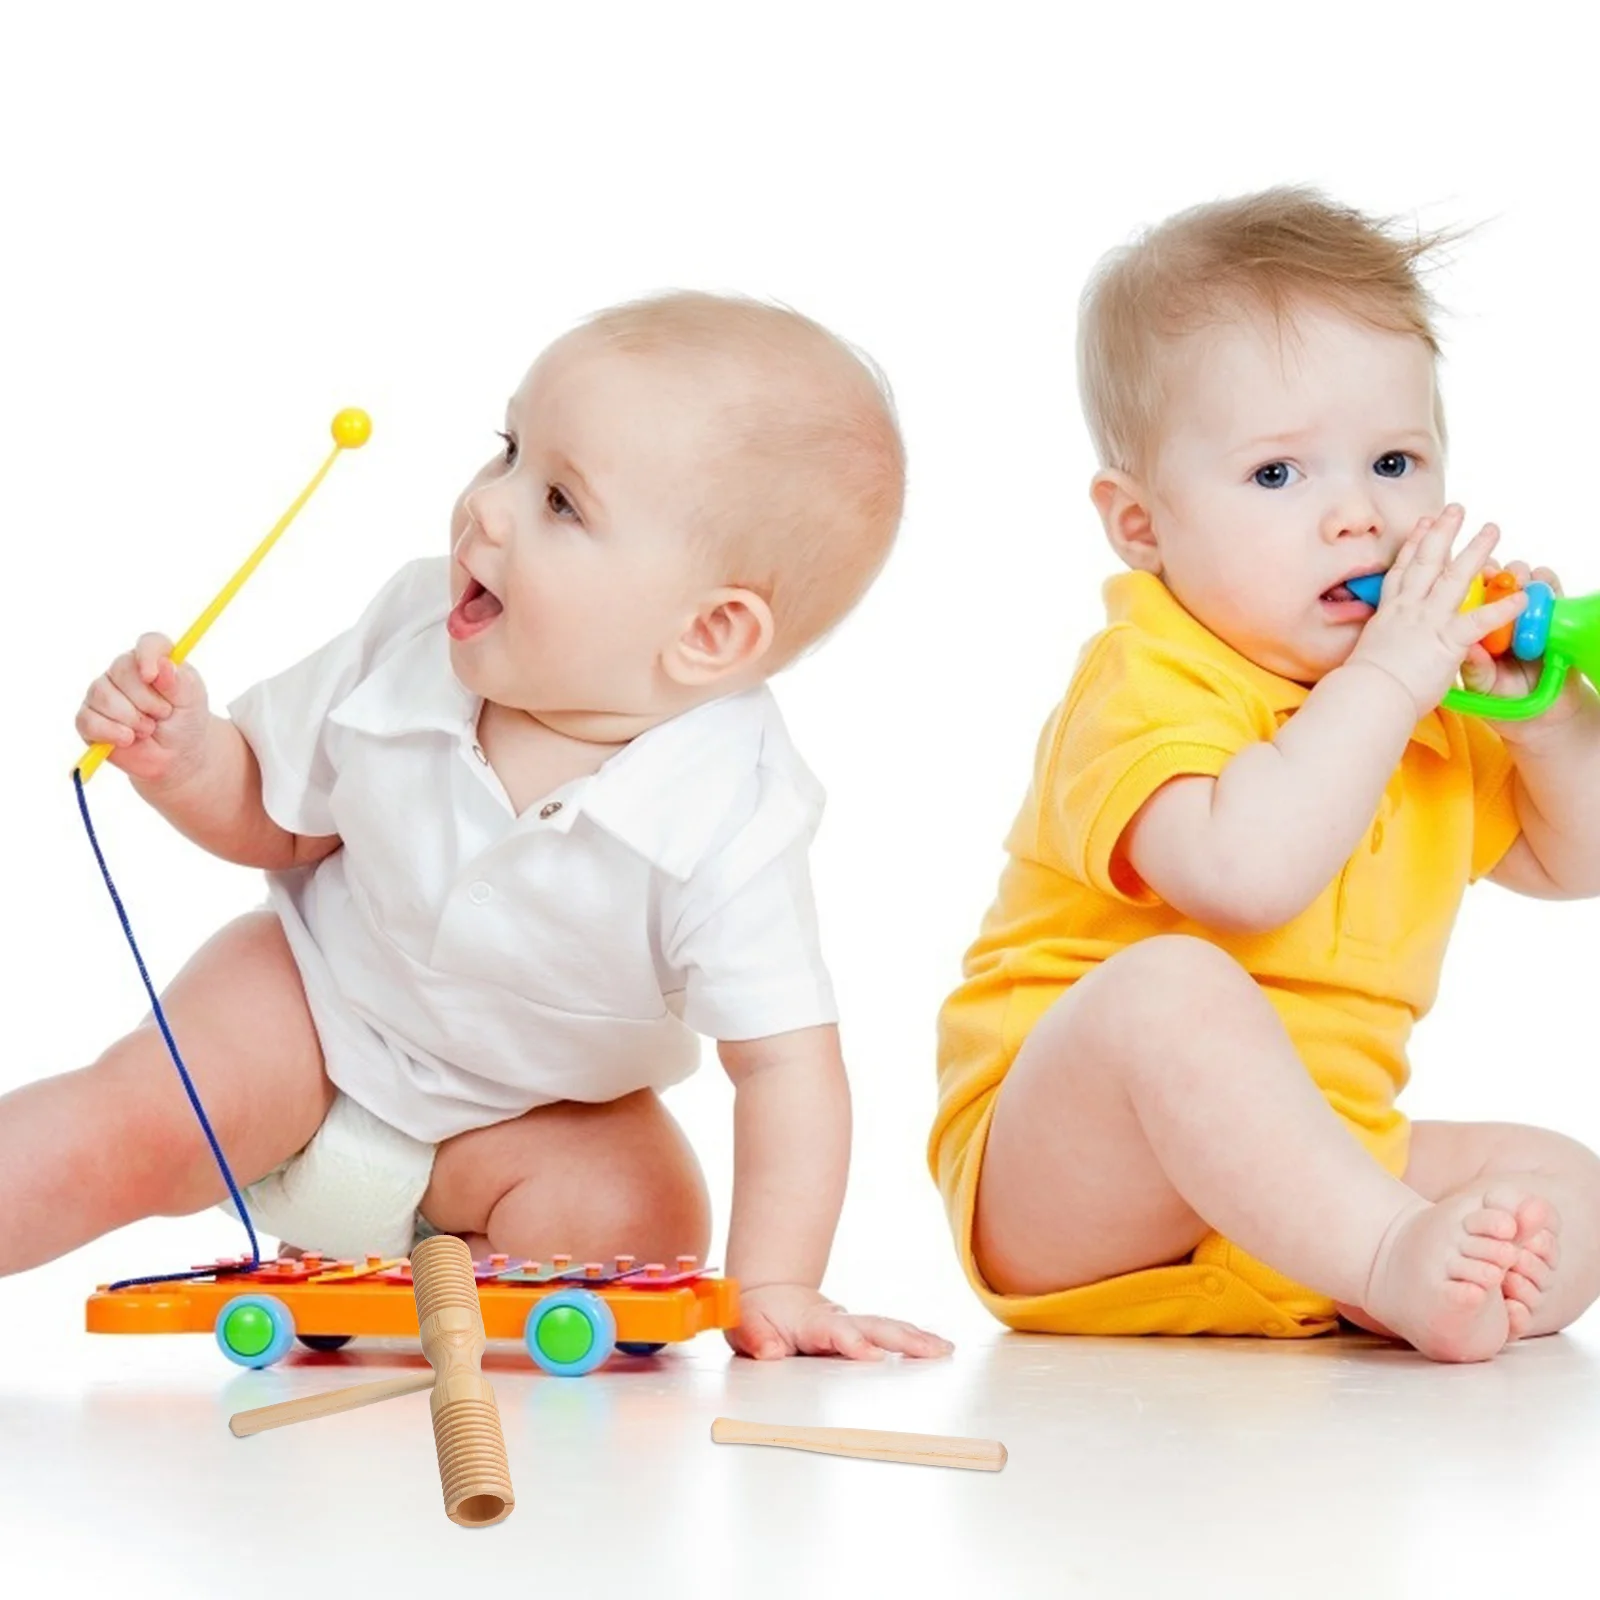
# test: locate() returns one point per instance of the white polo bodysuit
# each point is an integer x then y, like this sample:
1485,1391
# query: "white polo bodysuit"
464,964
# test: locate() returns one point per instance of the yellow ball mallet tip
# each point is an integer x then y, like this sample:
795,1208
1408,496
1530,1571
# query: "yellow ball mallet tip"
352,428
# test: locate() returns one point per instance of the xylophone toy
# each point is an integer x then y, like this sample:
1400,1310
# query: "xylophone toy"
571,1317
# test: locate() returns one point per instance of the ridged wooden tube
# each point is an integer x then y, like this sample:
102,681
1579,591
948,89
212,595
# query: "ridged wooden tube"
466,1420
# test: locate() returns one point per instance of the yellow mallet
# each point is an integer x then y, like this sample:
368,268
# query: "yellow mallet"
351,429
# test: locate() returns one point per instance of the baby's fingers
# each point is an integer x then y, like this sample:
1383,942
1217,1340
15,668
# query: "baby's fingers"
112,706
903,1338
845,1337
127,677
96,728
757,1338
151,650
1471,626
1429,550
1453,583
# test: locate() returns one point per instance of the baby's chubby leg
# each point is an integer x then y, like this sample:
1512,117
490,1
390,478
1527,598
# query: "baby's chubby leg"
96,1149
592,1181
1161,1097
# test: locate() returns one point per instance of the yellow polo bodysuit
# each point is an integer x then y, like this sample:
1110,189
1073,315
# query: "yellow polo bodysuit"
1157,696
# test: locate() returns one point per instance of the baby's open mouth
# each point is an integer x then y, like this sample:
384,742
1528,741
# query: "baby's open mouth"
1339,591
474,611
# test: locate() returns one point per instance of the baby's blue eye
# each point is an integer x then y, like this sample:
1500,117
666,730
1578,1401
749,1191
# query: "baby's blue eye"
1395,464
1275,475
510,450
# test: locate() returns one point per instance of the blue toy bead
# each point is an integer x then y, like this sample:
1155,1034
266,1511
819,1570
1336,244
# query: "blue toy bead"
267,1321
1532,630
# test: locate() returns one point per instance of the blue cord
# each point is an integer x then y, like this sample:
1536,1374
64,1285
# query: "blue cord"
183,1072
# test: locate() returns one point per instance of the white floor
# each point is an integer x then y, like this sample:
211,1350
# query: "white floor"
1136,1468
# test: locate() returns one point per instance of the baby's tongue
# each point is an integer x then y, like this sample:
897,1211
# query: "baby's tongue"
480,607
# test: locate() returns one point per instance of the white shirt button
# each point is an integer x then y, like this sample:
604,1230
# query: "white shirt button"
480,893
548,811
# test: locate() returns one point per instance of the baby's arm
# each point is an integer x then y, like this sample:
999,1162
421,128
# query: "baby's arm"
791,1129
194,767
1557,796
1248,850
1555,787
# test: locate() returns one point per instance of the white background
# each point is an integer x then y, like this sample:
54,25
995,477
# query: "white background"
220,224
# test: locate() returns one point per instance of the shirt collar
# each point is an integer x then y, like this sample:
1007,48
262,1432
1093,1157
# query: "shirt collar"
411,689
665,794
669,792
1144,601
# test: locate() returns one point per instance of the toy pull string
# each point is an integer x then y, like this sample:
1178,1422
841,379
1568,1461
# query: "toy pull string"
351,430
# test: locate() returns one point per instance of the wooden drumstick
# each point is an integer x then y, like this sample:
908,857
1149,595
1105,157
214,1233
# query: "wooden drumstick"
331,1401
867,1444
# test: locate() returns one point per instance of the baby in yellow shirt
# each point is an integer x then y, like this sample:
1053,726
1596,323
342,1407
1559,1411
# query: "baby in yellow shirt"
1167,1082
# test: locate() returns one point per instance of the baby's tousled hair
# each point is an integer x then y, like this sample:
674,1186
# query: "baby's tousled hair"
804,496
1268,254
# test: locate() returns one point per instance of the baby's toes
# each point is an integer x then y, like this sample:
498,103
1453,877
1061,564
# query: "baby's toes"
1532,1266
1464,1269
1501,1253
1494,1219
1545,1245
1526,1291
1518,1319
1536,1215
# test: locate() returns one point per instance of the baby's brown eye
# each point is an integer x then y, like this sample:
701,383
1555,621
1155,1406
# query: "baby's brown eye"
559,503
510,450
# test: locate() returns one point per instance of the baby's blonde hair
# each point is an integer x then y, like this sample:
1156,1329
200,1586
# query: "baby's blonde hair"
1272,253
808,483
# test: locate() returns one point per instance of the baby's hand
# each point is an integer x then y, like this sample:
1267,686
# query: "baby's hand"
788,1319
1506,675
1418,634
151,713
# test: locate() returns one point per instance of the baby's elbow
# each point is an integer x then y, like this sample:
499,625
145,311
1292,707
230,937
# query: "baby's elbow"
1245,900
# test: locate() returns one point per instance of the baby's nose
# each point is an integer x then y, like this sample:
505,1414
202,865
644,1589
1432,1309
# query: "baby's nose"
1352,513
491,518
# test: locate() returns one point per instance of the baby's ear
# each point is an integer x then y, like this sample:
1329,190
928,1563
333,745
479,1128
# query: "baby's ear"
1124,506
730,634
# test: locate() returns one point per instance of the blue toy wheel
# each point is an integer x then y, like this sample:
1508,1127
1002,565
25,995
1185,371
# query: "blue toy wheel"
255,1330
570,1332
1532,629
636,1347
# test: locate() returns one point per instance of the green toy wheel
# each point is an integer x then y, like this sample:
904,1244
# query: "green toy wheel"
254,1330
570,1332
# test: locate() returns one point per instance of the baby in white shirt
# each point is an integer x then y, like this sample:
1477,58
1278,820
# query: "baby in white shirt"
530,826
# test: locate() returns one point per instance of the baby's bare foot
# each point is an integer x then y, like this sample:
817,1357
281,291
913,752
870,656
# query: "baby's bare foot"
1438,1278
1538,1251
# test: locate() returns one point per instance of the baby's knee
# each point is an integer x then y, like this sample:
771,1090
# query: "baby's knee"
155,1158
643,1209
1163,988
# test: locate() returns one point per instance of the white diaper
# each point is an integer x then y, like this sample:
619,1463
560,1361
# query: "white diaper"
353,1191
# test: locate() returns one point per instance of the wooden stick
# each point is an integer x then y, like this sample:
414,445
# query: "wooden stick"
243,1423
867,1444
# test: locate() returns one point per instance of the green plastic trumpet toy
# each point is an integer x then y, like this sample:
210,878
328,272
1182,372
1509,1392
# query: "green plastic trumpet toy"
1564,630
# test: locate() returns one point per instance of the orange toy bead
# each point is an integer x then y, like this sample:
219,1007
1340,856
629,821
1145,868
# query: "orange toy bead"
1496,587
